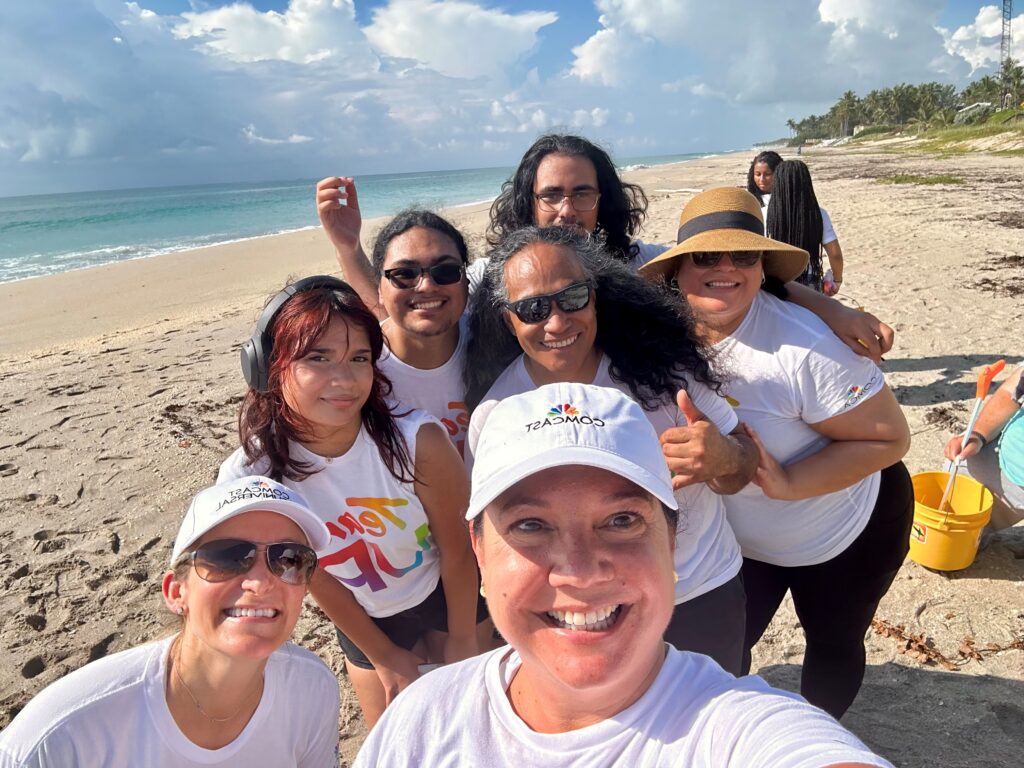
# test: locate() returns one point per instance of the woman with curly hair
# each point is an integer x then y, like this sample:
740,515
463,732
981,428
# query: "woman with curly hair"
397,576
554,306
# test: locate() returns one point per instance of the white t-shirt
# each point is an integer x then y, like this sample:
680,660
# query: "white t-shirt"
438,391
113,712
381,547
694,714
828,232
790,371
644,253
706,554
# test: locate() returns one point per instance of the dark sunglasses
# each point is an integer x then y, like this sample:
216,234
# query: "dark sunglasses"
740,259
224,559
537,309
405,278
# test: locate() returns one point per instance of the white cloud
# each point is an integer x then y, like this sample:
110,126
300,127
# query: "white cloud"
458,39
979,42
250,135
308,31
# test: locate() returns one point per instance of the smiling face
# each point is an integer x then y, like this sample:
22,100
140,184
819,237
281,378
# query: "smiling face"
565,174
560,348
721,295
330,384
578,567
428,309
250,615
763,176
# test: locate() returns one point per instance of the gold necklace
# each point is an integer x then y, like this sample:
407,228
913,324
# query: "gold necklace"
203,712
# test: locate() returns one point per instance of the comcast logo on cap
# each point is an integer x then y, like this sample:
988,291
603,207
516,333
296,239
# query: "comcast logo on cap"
563,413
257,489
563,410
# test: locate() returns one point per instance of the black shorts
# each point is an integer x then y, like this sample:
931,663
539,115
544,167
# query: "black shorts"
405,628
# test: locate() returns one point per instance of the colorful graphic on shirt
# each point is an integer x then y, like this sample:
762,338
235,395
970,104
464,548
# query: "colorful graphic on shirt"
732,401
374,521
457,426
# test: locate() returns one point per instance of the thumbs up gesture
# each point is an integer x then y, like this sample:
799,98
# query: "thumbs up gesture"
699,453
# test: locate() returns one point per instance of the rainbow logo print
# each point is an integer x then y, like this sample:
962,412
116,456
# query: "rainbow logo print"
563,410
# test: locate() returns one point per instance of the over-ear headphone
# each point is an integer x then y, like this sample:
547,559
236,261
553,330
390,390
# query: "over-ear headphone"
255,353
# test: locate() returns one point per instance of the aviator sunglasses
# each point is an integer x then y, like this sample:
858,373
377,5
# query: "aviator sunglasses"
742,259
537,309
224,559
405,278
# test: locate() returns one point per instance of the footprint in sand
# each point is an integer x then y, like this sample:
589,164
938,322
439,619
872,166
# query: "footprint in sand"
6,470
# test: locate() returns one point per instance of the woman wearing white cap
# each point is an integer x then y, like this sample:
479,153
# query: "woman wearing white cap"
573,518
227,689
554,306
828,515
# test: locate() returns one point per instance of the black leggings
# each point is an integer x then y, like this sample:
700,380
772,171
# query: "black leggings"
836,600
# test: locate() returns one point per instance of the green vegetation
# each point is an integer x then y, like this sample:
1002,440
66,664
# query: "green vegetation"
915,109
912,179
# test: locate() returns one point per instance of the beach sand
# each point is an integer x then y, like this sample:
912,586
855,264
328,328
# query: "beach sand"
119,391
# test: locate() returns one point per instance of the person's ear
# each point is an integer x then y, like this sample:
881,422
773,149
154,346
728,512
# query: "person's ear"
174,593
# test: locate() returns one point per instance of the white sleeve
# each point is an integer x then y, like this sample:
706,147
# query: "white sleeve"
322,747
476,424
834,379
475,273
235,466
715,407
770,730
828,232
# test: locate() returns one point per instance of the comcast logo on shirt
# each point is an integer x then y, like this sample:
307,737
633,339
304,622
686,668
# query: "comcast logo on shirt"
564,413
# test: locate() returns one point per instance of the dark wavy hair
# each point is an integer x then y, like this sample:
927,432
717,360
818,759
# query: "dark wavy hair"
769,158
794,216
266,423
648,335
621,210
408,219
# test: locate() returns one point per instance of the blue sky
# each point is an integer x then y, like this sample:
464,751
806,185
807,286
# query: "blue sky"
106,93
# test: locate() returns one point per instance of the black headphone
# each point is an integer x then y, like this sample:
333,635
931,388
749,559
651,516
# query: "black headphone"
255,353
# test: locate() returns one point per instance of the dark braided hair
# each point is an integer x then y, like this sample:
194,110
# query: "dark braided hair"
794,216
266,423
647,334
769,158
621,210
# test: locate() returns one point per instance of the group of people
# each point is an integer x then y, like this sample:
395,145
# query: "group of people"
578,475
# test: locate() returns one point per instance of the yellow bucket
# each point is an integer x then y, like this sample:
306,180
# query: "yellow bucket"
948,540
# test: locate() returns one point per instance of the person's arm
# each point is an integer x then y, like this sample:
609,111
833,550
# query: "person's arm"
396,667
862,332
337,205
865,439
835,260
993,417
700,453
443,488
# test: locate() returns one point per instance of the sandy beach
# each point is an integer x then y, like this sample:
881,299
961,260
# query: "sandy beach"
119,390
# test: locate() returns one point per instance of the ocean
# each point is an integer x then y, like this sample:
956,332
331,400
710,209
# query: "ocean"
45,234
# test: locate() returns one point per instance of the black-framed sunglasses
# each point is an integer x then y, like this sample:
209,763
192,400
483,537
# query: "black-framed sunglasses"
223,559
742,259
405,278
537,309
583,200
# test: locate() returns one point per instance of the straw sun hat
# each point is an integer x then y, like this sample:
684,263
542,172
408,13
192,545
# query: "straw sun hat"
727,219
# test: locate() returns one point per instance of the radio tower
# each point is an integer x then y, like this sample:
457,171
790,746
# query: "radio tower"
1004,53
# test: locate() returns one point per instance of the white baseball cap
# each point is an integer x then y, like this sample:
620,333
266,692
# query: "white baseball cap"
562,424
212,506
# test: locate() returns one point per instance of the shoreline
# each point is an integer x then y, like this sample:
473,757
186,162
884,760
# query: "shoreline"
54,311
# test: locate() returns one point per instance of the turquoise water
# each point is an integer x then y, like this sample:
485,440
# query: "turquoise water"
45,234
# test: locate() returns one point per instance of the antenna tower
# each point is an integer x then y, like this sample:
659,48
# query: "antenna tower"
1004,53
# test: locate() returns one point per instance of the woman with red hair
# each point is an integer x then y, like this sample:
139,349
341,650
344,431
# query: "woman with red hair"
397,577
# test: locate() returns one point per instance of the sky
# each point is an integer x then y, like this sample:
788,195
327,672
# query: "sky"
106,94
